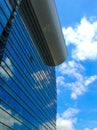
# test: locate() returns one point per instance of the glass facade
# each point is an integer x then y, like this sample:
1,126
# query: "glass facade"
27,85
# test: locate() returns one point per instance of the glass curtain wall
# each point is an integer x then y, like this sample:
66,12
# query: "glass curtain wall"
27,86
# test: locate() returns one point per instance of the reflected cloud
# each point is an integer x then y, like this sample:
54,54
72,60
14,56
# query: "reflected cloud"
4,68
42,127
40,76
6,118
51,104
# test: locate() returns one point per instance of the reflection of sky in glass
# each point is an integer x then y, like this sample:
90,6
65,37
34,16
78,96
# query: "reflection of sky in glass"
4,69
27,87
7,118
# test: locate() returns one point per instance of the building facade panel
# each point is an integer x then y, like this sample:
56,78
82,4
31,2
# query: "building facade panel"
27,85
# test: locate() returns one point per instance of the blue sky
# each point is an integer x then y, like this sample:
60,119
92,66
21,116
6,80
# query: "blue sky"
77,76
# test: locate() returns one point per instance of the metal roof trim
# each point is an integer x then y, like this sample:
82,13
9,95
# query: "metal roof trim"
46,13
41,19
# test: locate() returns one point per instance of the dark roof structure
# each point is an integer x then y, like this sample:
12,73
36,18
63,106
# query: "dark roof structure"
43,23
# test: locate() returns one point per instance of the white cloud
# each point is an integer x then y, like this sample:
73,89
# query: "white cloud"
64,124
70,112
60,80
67,119
72,74
4,64
84,38
74,95
78,82
95,129
72,69
6,118
90,80
86,129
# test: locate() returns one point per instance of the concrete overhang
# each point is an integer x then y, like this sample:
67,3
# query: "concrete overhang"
52,48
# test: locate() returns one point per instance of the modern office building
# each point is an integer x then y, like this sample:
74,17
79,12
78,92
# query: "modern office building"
31,45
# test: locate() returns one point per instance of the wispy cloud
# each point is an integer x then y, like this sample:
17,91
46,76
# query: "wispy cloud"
90,80
67,119
84,38
78,81
60,80
70,112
